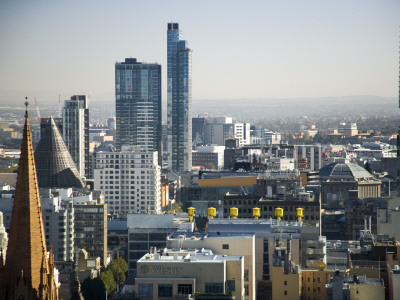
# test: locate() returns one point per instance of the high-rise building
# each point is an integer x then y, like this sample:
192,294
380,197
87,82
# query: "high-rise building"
29,271
130,180
179,108
138,105
76,131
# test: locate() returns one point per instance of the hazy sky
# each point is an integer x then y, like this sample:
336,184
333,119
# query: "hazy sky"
241,49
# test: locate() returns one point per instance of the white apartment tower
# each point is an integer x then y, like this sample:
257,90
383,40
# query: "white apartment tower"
130,180
76,131
242,132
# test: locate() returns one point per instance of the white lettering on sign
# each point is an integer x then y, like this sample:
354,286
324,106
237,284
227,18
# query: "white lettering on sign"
167,270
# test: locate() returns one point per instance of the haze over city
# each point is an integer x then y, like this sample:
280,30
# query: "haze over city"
241,50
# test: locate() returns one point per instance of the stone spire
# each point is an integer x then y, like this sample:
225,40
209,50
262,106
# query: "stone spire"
55,166
22,275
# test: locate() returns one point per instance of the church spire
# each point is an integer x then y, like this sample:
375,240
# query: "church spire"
27,245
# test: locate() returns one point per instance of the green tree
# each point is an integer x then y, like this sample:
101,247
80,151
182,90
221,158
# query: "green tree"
108,280
93,289
117,271
176,207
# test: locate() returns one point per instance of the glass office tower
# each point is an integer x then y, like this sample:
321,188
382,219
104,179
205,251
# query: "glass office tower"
179,107
138,105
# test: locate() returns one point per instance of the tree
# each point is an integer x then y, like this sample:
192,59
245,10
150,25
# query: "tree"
93,289
118,268
108,280
176,207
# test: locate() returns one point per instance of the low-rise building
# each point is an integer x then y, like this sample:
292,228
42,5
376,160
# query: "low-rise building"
176,273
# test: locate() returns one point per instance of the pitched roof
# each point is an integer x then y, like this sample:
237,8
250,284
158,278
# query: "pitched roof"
26,251
55,166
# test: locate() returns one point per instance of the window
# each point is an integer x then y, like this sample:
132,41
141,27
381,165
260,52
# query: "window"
185,289
214,287
145,290
246,275
230,286
246,289
165,290
285,293
285,282
225,246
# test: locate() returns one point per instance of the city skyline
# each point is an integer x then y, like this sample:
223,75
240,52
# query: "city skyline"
259,50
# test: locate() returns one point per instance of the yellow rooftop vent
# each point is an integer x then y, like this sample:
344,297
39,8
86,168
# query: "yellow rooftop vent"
191,213
279,213
299,214
211,212
256,212
234,212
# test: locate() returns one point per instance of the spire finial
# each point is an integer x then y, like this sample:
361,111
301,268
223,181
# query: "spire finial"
26,105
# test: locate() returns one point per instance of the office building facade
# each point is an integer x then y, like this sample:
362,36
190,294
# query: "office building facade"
179,106
130,180
76,131
138,105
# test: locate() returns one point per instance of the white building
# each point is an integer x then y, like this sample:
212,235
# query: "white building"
130,180
242,132
271,138
217,130
58,221
76,131
209,156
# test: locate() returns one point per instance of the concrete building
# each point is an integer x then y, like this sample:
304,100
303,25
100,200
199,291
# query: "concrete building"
76,131
394,277
130,180
271,138
91,229
224,244
211,157
179,106
357,287
241,131
257,240
339,179
179,274
347,129
59,224
388,222
217,130
138,105
313,154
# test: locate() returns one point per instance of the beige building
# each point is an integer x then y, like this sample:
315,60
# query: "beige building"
257,240
356,287
224,244
179,273
285,286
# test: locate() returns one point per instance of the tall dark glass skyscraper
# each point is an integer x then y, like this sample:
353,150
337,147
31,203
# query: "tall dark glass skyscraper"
179,109
138,105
